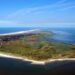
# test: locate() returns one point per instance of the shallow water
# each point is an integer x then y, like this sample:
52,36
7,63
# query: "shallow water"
66,35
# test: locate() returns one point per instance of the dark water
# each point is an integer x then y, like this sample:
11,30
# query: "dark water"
9,66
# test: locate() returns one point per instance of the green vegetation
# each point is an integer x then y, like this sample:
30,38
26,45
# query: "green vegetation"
44,50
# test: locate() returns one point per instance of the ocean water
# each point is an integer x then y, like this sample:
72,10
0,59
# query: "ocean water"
10,66
13,29
66,35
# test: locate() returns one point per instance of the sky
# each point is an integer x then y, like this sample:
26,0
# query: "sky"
52,13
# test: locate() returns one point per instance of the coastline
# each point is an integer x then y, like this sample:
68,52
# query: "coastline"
21,58
21,32
34,61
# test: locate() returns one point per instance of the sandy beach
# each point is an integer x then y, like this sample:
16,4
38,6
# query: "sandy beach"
21,58
34,61
15,65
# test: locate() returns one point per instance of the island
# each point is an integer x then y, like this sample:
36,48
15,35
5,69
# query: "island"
36,47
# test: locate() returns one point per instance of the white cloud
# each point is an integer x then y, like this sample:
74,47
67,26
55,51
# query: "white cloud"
6,22
35,9
67,8
21,15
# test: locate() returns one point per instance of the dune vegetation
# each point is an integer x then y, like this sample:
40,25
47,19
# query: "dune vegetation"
42,50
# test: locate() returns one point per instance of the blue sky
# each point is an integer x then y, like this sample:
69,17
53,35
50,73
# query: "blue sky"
53,13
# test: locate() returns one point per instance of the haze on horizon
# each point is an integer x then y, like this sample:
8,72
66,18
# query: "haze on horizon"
52,13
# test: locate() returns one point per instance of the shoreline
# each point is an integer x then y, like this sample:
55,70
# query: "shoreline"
20,32
21,58
34,61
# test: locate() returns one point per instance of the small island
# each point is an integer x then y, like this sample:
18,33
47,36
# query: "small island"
36,47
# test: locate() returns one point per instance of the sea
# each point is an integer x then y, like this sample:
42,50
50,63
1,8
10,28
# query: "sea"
64,34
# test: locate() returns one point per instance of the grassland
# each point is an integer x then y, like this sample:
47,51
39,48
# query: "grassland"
44,51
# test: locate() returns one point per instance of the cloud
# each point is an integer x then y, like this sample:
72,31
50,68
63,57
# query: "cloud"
6,22
30,16
35,9
67,8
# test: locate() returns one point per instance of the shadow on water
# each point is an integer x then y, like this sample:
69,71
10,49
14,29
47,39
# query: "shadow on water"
10,66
